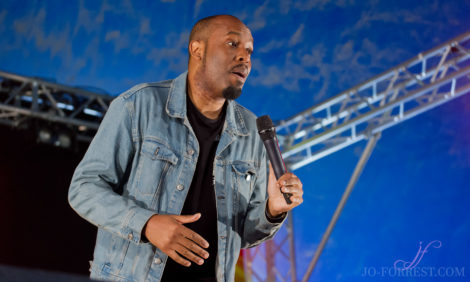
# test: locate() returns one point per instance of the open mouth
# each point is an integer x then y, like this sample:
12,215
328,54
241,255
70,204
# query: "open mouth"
239,74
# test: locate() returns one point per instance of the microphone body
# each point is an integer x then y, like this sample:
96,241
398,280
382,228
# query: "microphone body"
267,133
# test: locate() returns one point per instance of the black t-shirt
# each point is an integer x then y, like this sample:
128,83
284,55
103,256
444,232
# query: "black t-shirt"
201,197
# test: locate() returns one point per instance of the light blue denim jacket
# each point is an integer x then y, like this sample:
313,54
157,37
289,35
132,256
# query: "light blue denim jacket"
141,162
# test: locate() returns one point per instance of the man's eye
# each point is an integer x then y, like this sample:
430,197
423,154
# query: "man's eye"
233,43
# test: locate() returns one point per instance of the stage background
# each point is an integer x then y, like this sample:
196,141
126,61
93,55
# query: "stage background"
415,188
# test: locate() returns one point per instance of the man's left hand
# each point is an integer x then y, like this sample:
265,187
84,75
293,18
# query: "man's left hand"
287,183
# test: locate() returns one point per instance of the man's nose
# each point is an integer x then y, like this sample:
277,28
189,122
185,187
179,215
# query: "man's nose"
243,56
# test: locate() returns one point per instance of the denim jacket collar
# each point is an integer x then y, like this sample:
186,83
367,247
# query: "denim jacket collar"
176,107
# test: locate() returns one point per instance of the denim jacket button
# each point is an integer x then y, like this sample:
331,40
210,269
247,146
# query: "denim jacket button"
130,236
191,152
157,260
179,187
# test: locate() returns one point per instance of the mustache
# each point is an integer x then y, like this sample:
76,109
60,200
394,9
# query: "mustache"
239,67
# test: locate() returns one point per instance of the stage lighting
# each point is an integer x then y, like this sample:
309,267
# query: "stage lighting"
45,136
64,140
56,136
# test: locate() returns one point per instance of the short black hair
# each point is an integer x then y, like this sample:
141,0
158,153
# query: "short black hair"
201,26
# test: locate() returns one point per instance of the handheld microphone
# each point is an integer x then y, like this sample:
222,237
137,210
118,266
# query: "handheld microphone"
267,132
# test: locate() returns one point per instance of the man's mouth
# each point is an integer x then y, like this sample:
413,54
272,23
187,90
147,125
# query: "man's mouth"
240,74
241,71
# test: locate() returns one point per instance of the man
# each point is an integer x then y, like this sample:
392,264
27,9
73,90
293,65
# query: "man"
176,178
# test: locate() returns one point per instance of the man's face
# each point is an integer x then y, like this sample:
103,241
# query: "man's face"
226,62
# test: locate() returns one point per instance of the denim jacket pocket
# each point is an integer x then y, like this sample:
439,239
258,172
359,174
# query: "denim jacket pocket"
243,179
156,161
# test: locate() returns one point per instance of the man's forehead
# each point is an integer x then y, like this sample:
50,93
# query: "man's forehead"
231,27
233,32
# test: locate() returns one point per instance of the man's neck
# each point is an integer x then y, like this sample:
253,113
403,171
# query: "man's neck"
206,103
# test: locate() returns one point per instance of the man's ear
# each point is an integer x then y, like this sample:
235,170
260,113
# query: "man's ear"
196,49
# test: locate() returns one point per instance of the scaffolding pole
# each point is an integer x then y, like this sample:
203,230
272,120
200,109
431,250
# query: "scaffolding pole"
352,182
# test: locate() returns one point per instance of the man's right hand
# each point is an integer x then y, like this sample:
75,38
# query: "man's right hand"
168,233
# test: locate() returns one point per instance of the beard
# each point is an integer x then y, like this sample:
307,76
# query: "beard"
231,93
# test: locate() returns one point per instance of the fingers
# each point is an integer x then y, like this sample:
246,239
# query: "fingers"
289,179
296,200
194,248
196,238
296,194
183,251
176,257
180,243
296,191
188,233
290,183
186,248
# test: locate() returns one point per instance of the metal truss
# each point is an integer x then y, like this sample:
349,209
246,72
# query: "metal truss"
260,262
420,84
26,99
426,81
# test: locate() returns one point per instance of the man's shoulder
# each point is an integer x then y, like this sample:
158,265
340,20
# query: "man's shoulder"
147,88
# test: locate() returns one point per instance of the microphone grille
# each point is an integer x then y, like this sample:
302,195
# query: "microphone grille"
265,127
264,123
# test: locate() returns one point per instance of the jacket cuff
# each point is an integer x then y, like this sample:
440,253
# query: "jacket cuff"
277,219
134,225
273,220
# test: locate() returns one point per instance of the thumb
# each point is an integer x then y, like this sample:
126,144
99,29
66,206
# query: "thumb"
187,218
272,176
272,181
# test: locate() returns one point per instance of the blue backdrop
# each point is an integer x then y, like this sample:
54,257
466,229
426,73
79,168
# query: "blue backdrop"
415,188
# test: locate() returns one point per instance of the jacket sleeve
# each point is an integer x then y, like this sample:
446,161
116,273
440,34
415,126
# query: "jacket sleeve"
93,192
258,227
